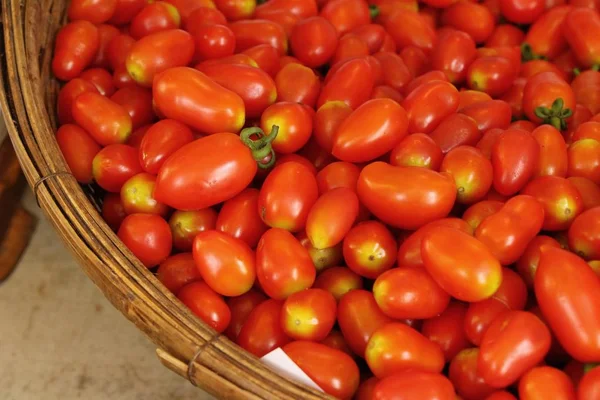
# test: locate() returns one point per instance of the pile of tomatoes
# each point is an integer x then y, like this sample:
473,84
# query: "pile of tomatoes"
404,196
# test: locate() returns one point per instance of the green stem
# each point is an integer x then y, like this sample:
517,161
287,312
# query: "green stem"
260,144
595,67
374,11
556,115
576,71
527,53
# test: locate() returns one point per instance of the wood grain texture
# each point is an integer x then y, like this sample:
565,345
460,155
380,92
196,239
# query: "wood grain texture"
28,104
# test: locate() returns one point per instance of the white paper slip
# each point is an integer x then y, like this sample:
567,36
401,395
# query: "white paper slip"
278,361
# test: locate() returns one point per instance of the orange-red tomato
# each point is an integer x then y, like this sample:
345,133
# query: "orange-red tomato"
236,9
515,156
491,74
584,159
241,307
154,17
100,78
589,387
408,28
461,264
590,192
212,41
287,195
568,293
508,232
394,71
417,150
428,104
505,35
396,347
475,214
465,377
541,383
177,271
295,123
346,15
95,11
331,217
137,102
447,330
300,8
338,281
456,130
584,234
127,9
252,32
479,317
297,83
472,173
313,41
206,304
349,46
283,265
79,150
336,175
515,342
321,258
430,76
266,57
351,83
585,86
239,217
409,293
136,196
114,165
409,385
472,18
160,141
67,95
76,46
332,370
553,159
545,37
579,29
185,225
309,314
106,121
489,114
147,236
189,96
371,131
262,331
501,395
549,99
452,54
529,261
327,120
369,249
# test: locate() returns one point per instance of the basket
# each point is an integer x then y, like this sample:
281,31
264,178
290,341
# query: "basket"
185,344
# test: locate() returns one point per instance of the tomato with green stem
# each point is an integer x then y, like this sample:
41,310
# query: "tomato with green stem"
262,333
206,304
185,225
147,236
548,99
545,38
177,271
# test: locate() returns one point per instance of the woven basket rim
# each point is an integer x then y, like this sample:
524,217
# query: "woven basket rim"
225,370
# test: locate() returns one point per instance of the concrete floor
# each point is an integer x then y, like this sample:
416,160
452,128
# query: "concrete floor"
60,339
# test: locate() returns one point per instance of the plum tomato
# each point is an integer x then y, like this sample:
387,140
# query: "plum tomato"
338,281
147,236
185,225
417,150
369,249
447,331
309,314
331,217
262,332
206,304
136,196
177,271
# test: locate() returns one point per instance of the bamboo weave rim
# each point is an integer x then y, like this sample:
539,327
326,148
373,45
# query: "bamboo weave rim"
186,345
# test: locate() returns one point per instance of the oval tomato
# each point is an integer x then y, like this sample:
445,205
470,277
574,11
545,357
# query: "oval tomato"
136,196
154,17
584,234
185,225
547,98
327,120
417,150
447,330
75,48
297,83
147,236
409,385
114,165
346,15
79,150
112,210
489,114
262,331
428,104
241,307
105,120
456,130
466,378
584,159
472,18
475,214
308,314
369,249
545,37
452,54
589,387
239,217
409,28
338,281
529,261
480,316
331,217
321,258
351,83
553,158
472,173
336,175
544,383
206,304
253,32
177,271
294,122
160,141
579,29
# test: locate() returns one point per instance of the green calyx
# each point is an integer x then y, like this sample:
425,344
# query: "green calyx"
259,144
555,115
527,53
588,367
373,11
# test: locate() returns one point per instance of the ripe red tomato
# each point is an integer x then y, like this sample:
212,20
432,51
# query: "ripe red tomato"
346,15
160,141
351,83
189,96
204,15
137,102
472,173
309,314
394,71
428,104
405,197
136,196
549,99
206,304
479,211
568,293
585,86
332,370
293,157
79,150
514,343
465,377
349,46
106,121
185,225
545,37
313,41
298,83
545,383
241,307
584,234
584,159
396,347
239,218
408,28
408,385
118,49
522,11
338,281
469,97
114,165
295,122
112,210
127,9
409,293
100,78
283,265
154,17
472,18
369,249
262,331
147,236
491,74
252,32
529,261
553,159
212,41
236,9
489,114
515,156
300,8
331,217
589,387
480,316
501,395
327,120
590,192
177,271
67,95
336,175
75,48
417,150
505,35
96,11
456,130
580,28
371,131
452,54
447,330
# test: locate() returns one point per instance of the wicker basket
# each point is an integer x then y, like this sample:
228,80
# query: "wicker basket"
185,344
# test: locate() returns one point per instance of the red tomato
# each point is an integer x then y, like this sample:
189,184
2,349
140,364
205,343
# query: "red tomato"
154,17
327,120
580,28
386,92
515,156
590,192
514,97
236,9
417,150
366,389
359,317
76,46
369,249
297,83
332,370
409,385
549,99
545,383
431,76
241,307
460,264
470,97
480,316
160,141
529,261
336,175
346,15
349,46
136,196
266,57
584,159
479,211
147,236
472,173
79,150
584,234
213,41
67,96
239,218
206,304
414,58
428,104
447,330
472,18
396,347
408,28
466,378
585,86
192,98
137,102
106,121
568,292
545,37
314,41
405,197
127,9
522,11
560,198
262,332
501,395
338,281
505,35
489,114
177,271
589,388
252,32
239,58
295,122
112,210
456,130
331,217
352,83
204,15
118,49
96,11
553,160
300,8
587,130
409,293
185,225
101,78
395,73
335,340
514,343
194,177
283,265
114,165
453,54
309,314
491,74
372,130
372,34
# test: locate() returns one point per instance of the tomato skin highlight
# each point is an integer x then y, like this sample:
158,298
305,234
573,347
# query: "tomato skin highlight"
405,197
239,217
369,249
147,236
331,217
190,97
427,105
546,382
309,314
75,48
